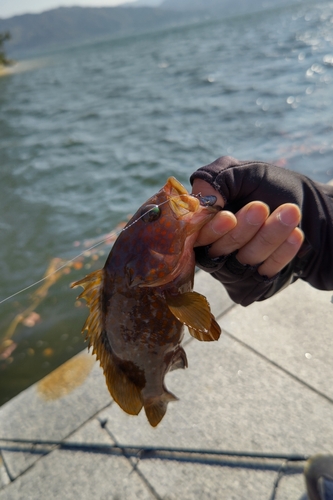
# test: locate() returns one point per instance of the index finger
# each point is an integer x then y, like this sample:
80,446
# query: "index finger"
215,229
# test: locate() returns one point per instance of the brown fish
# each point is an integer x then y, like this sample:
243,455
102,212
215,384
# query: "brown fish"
143,296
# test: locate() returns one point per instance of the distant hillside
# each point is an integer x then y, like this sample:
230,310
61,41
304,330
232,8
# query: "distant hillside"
67,25
226,7
146,3
74,24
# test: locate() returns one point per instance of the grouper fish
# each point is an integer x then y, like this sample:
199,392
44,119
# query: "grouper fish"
142,298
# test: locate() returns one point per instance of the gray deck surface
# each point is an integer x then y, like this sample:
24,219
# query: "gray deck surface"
266,386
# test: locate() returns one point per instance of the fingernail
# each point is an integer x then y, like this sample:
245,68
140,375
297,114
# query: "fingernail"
296,237
293,239
255,216
288,217
220,224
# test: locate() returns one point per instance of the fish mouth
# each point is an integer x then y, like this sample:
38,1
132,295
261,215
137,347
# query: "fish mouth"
180,200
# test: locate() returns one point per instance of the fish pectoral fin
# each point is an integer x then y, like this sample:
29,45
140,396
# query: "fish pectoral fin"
193,310
213,333
156,408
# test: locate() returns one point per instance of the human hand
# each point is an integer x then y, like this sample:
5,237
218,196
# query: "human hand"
260,237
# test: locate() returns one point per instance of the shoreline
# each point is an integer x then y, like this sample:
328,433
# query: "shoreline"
5,70
22,66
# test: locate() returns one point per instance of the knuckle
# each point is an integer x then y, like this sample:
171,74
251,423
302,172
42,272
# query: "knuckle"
265,240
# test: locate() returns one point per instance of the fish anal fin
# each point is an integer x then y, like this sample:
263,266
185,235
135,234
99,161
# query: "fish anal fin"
156,408
193,310
125,393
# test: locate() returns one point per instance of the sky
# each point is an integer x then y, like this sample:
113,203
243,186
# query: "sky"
10,8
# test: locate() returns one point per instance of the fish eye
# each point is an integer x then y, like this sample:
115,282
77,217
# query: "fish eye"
150,213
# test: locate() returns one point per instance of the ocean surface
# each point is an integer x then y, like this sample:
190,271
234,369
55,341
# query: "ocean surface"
88,133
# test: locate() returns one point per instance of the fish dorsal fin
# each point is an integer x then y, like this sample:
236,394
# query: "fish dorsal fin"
121,388
192,309
92,293
156,408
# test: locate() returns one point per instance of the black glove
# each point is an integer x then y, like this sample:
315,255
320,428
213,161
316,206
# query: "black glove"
240,182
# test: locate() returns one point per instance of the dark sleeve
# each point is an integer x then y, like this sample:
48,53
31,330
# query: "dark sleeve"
241,182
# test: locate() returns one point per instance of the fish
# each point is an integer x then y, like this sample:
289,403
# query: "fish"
143,296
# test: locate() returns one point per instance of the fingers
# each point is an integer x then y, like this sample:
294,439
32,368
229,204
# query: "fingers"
283,254
249,221
277,228
259,237
276,243
220,225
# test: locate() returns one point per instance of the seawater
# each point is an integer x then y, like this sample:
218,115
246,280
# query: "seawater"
93,130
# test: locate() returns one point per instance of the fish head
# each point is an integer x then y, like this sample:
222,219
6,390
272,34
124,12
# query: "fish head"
159,234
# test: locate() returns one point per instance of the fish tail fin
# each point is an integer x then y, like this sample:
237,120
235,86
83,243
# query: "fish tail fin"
156,408
121,388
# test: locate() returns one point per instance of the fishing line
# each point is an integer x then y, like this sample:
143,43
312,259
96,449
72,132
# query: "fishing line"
68,262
